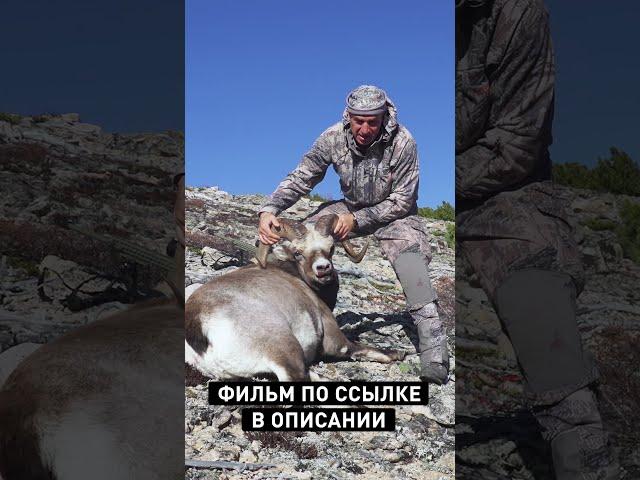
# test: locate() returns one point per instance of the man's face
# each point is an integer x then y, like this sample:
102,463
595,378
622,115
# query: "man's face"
365,128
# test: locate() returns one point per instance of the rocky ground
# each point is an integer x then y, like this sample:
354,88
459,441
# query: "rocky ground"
74,200
370,309
496,436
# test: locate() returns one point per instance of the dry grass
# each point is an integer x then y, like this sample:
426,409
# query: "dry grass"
285,440
198,239
154,197
192,377
194,204
35,241
24,158
618,358
447,299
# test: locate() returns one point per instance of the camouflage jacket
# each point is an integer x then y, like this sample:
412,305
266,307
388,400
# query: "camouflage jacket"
379,185
504,97
509,216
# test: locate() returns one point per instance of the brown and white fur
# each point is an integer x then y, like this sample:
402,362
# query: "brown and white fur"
99,402
270,317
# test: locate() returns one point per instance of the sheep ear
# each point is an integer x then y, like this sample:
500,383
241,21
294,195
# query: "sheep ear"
281,252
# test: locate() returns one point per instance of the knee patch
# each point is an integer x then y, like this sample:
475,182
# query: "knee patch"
537,308
413,273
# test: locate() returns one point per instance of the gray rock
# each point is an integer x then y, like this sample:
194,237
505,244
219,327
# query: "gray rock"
70,117
60,279
11,358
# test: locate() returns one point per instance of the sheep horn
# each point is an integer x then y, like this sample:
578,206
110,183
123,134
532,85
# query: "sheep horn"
326,224
351,251
262,253
289,230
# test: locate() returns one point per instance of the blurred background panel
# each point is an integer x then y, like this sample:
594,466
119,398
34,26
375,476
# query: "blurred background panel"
590,199
91,139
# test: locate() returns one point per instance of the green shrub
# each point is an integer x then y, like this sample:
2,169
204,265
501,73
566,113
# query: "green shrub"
409,369
617,174
315,197
574,175
26,264
10,117
195,250
450,237
598,224
629,230
444,212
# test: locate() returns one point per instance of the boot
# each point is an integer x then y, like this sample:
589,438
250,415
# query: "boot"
412,270
432,347
579,442
538,311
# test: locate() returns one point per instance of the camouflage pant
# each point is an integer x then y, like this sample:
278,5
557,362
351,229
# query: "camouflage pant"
519,244
515,231
405,243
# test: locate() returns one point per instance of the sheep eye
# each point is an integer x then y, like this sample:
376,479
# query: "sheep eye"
297,255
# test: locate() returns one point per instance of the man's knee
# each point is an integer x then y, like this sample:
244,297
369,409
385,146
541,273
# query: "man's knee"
537,308
412,270
404,235
337,207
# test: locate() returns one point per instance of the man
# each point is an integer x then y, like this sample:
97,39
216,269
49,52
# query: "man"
377,162
511,229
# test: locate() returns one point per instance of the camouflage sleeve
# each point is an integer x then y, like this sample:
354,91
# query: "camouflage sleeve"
309,172
522,89
404,191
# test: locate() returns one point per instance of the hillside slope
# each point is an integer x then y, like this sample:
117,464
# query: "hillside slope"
371,309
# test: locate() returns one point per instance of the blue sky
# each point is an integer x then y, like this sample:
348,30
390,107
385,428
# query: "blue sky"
119,64
264,79
597,77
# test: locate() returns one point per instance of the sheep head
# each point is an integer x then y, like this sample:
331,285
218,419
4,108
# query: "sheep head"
310,246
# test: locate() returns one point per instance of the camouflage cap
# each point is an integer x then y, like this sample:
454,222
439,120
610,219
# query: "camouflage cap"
367,100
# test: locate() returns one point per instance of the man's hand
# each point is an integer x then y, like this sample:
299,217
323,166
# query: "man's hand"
344,225
267,220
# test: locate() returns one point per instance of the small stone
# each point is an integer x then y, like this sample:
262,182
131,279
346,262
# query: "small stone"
247,456
222,420
396,456
70,117
392,444
255,446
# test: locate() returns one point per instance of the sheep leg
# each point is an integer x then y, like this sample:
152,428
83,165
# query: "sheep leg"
336,345
359,351
287,363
